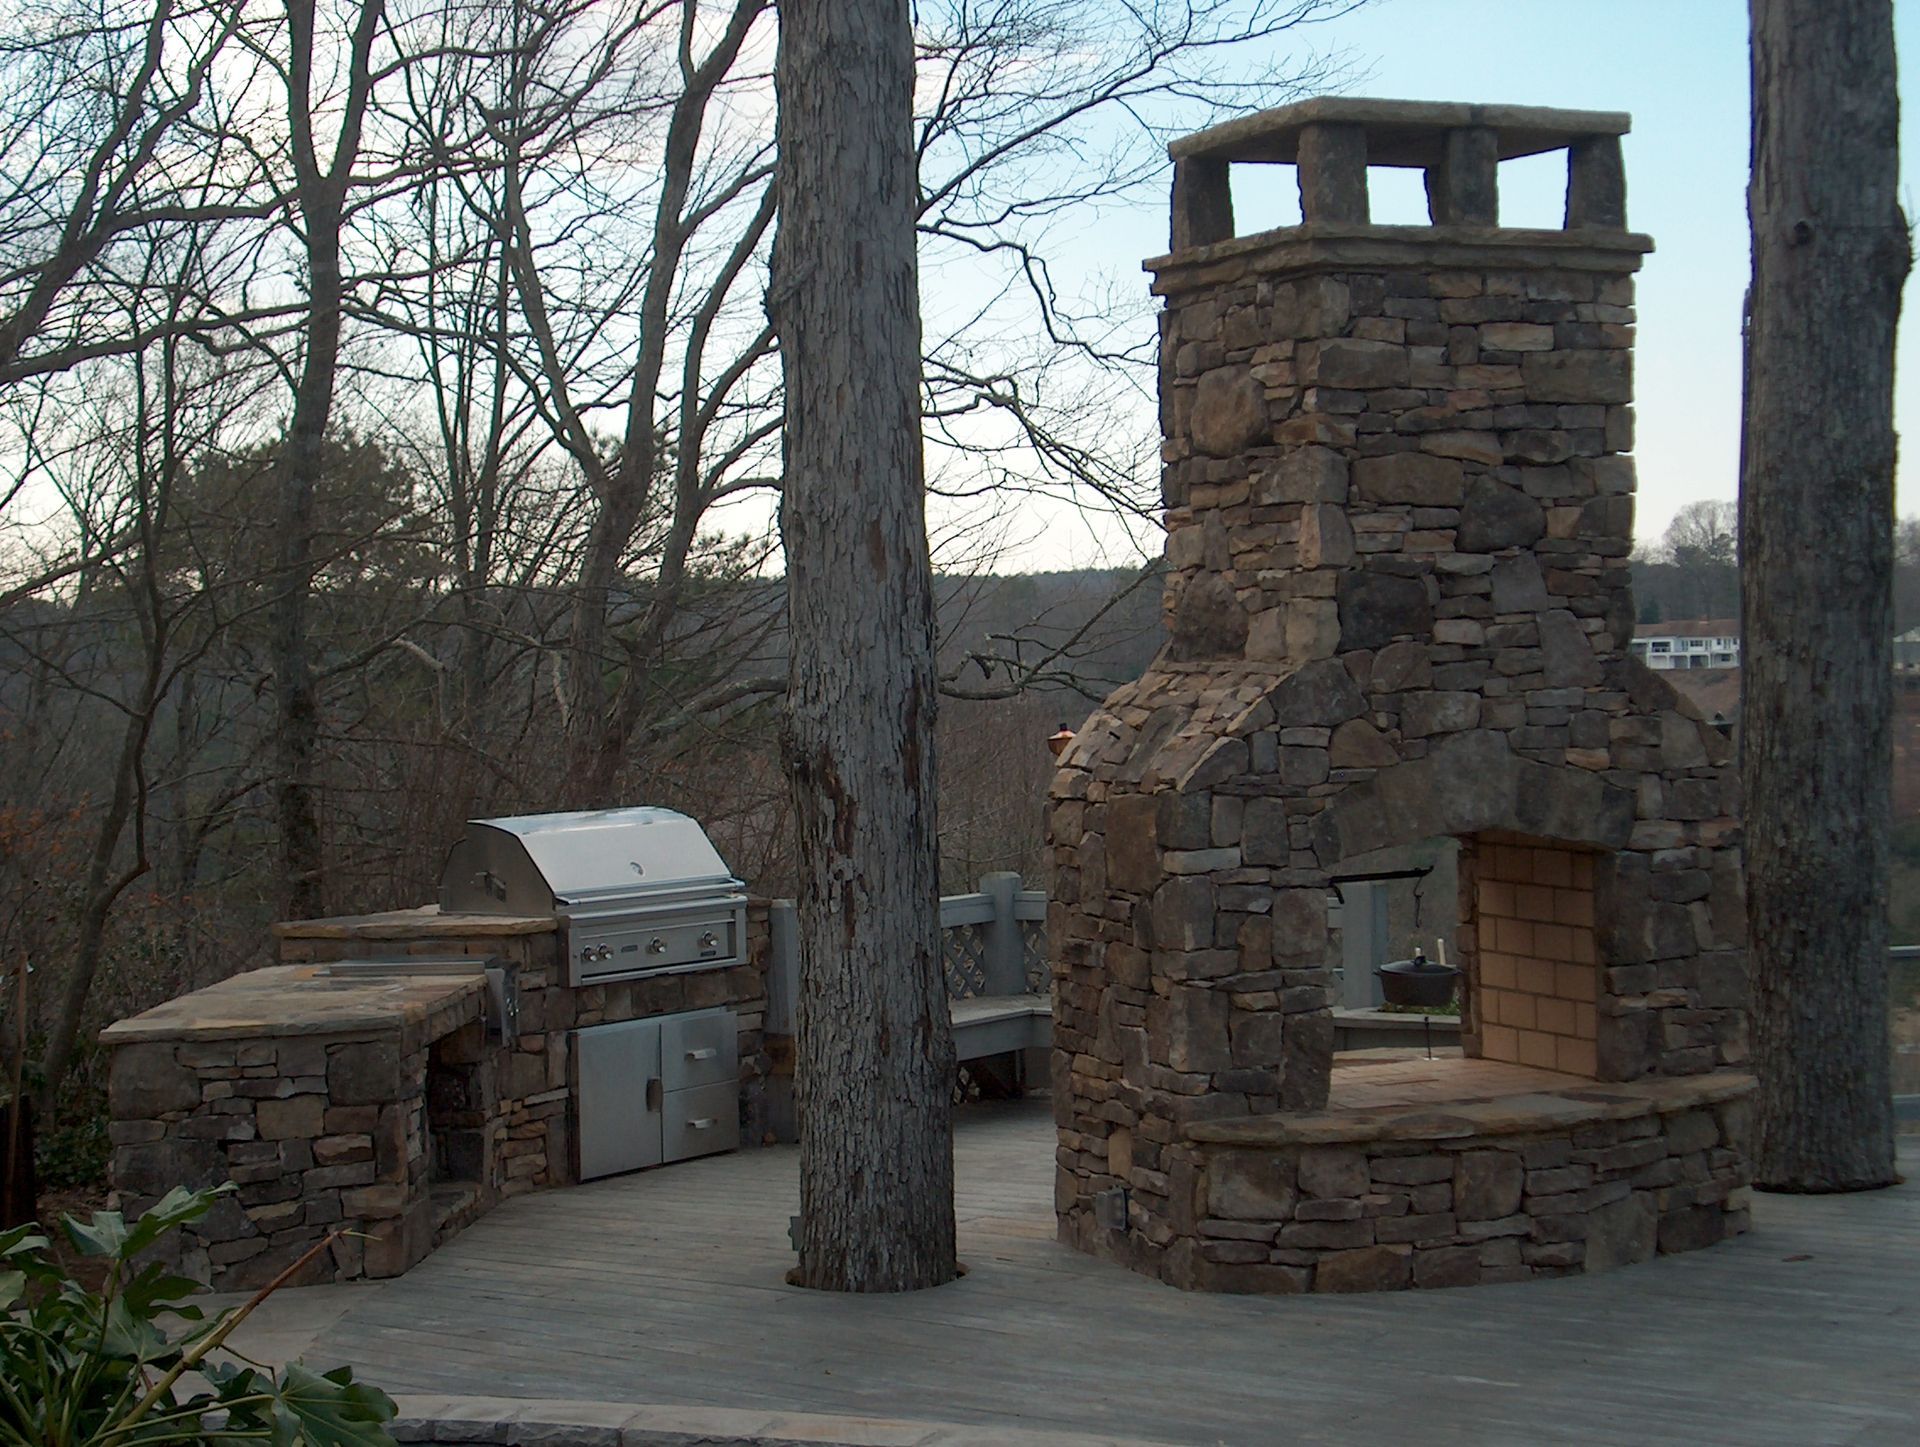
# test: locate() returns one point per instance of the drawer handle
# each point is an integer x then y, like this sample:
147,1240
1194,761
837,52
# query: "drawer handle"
706,1124
705,1052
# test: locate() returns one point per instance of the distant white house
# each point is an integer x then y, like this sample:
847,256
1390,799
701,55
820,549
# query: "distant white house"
1689,643
1906,651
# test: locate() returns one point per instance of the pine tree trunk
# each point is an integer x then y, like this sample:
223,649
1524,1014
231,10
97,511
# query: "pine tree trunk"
875,1048
1816,535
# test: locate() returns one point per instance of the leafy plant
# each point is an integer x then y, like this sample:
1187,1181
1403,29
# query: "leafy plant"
1450,1010
116,1367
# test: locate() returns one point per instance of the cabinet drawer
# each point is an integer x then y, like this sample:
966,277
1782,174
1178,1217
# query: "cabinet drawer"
701,1121
699,1048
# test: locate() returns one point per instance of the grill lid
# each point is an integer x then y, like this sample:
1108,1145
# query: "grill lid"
540,864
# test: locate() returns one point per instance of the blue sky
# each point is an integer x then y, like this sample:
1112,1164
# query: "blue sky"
1680,68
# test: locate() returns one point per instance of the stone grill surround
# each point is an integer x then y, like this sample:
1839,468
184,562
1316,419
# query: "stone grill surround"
1399,514
382,1107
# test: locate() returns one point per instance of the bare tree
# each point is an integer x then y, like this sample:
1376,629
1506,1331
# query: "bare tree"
320,194
631,336
1703,543
1830,253
113,135
1706,531
875,1047
140,628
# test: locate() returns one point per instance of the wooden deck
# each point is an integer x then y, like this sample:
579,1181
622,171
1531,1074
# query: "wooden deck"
667,1287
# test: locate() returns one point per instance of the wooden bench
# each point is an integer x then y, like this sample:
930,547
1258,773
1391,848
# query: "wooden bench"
993,1006
1000,1024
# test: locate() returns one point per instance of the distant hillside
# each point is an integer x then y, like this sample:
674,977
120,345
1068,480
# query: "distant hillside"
1664,590
1104,625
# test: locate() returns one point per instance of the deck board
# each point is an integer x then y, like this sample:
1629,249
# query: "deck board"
667,1286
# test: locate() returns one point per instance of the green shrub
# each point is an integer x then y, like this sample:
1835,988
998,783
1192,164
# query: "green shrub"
71,1147
110,1368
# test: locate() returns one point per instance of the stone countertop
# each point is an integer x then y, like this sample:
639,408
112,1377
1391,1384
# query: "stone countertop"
426,922
1521,1112
302,1000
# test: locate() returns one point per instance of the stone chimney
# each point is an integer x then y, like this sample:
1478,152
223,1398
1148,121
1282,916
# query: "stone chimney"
1399,508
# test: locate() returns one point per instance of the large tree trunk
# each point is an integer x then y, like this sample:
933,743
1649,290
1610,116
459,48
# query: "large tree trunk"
1816,534
875,1048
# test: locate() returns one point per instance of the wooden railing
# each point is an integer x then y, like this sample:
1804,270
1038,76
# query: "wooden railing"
994,943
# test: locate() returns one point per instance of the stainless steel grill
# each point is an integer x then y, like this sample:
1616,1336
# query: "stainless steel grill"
637,891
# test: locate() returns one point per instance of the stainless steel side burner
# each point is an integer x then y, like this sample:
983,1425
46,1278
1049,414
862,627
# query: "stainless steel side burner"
638,891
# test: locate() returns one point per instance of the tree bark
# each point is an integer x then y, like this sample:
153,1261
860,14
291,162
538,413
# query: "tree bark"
875,1047
1830,253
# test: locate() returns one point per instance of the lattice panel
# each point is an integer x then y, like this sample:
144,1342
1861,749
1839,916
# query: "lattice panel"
963,954
1033,950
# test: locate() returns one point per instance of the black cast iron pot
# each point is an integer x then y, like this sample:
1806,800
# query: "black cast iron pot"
1418,982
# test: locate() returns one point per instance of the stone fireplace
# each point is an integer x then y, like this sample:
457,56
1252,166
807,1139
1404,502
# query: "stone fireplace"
1399,509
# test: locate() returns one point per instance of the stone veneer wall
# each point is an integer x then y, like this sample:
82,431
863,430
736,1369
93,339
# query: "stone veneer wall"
320,1133
1399,515
316,1134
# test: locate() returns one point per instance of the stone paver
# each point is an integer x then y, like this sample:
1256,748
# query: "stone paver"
667,1289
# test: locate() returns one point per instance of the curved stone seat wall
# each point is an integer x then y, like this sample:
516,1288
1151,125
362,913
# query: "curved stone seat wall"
1486,1191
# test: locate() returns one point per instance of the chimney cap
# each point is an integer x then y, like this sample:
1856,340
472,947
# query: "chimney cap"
1399,132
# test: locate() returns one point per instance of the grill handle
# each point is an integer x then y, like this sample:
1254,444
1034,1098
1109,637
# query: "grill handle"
654,1097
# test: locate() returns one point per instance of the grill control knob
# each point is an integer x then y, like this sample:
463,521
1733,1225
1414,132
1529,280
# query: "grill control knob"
656,946
586,952
605,952
709,940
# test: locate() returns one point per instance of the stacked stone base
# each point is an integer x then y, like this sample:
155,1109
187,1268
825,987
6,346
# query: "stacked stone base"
322,1139
1491,1191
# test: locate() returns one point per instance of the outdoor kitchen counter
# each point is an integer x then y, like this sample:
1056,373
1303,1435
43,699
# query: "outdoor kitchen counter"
286,1000
424,923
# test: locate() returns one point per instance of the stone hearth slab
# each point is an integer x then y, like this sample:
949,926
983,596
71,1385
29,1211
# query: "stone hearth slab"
1532,1101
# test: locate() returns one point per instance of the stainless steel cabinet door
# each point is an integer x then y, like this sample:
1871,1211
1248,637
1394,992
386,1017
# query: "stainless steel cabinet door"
618,1097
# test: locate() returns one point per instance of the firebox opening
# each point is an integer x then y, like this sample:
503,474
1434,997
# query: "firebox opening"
1528,947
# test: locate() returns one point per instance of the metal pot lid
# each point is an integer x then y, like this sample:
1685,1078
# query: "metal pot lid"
1418,965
